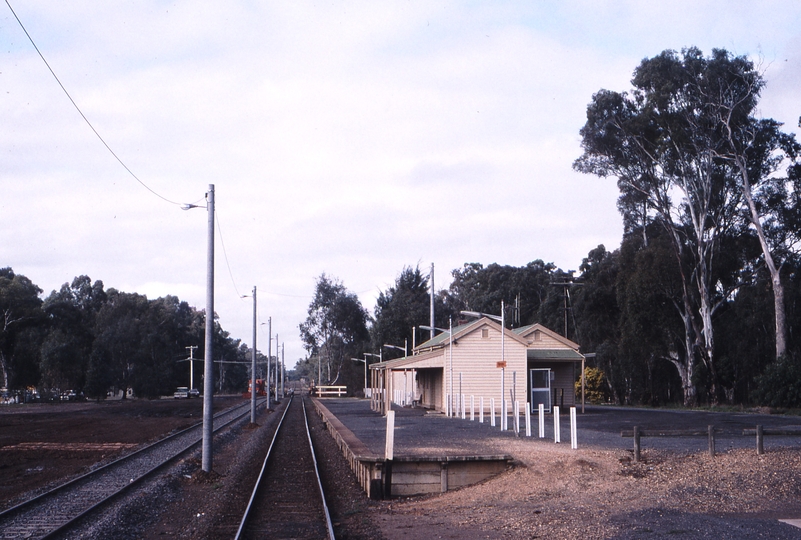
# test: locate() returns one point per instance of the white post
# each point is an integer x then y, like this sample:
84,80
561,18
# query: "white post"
573,441
463,407
448,405
208,355
542,421
481,409
557,436
472,407
504,413
390,446
517,417
528,419
492,412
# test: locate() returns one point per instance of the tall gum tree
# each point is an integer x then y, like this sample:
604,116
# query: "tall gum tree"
758,153
663,143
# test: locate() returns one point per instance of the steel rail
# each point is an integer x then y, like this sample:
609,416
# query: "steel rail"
328,524
261,473
247,514
105,498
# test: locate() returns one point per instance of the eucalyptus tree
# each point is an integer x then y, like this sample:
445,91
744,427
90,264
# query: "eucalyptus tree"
404,306
335,329
71,313
118,345
663,143
21,316
523,289
764,161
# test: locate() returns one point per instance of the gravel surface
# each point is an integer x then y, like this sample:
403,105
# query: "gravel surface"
73,438
596,491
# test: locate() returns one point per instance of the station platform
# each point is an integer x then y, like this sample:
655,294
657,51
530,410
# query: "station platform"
432,453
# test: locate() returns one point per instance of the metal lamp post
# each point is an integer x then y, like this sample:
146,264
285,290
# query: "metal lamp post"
208,364
253,363
208,360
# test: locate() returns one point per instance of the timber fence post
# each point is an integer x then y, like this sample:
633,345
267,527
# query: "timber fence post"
760,440
711,441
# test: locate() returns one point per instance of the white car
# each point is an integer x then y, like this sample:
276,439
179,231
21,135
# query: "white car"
181,393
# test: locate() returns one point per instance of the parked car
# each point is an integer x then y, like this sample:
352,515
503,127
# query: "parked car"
194,392
181,393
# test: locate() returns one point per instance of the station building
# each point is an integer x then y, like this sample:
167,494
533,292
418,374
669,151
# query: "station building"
478,360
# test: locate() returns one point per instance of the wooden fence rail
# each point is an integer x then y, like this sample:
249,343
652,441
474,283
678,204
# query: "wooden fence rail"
328,390
638,433
760,433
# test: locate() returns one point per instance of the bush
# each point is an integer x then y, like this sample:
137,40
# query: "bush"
595,387
780,383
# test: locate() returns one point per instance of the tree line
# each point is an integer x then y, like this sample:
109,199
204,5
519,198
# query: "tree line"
85,338
699,302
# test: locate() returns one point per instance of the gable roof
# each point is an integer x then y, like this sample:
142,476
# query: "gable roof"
528,331
441,340
406,360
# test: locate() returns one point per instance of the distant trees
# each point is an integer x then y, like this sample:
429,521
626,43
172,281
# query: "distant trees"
88,339
20,316
523,289
404,306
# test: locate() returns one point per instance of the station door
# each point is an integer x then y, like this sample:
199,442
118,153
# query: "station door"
540,389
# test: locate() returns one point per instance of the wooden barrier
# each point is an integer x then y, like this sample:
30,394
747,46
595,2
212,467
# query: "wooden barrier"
637,433
330,391
760,433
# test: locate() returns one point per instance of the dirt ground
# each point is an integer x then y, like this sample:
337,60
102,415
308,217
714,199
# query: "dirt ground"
554,492
596,491
42,444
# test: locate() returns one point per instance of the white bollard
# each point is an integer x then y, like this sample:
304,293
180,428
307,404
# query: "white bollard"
573,441
557,436
503,414
542,421
463,408
517,417
389,449
492,412
481,409
472,408
528,419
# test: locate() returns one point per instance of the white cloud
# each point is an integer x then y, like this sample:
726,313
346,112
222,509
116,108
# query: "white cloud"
347,138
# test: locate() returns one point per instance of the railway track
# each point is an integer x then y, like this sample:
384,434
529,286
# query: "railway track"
53,513
288,499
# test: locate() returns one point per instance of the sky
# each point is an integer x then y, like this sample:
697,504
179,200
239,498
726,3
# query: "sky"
347,138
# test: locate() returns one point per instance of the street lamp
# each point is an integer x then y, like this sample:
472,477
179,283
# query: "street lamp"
365,367
208,361
404,348
253,364
365,371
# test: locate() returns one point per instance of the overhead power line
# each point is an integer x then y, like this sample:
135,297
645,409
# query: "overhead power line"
88,123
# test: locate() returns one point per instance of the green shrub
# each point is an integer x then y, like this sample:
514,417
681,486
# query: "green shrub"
780,383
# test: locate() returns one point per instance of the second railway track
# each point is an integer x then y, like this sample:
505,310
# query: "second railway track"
52,514
288,499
